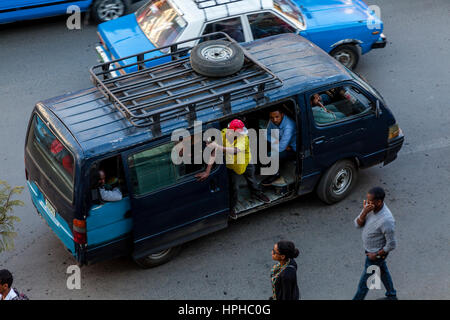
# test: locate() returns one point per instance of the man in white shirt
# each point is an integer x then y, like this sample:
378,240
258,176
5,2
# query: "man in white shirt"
107,193
6,292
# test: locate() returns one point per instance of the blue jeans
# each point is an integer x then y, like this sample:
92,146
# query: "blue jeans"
384,275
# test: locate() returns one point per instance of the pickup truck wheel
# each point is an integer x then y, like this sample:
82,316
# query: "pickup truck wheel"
347,54
158,258
217,58
105,10
337,182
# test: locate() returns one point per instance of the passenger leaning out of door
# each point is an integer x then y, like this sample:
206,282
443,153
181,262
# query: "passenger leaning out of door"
285,145
324,114
107,192
236,147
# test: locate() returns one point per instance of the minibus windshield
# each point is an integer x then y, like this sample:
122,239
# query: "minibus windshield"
160,22
366,85
52,157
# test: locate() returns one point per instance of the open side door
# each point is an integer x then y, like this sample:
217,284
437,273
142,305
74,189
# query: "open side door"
169,206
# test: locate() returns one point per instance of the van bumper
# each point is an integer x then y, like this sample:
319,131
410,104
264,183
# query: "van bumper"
393,148
380,43
56,223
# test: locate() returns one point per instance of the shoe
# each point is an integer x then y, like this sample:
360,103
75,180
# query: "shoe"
280,182
267,182
389,298
233,214
261,196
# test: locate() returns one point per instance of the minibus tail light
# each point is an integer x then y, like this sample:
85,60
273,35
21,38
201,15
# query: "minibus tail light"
394,131
79,231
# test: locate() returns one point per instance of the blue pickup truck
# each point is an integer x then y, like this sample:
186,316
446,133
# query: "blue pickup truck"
101,10
346,29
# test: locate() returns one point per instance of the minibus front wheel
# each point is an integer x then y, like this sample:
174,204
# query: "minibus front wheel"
158,258
337,182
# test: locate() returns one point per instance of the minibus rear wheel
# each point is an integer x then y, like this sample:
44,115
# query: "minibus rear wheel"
337,182
158,258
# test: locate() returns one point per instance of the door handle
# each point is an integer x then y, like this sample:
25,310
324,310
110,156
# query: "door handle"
319,140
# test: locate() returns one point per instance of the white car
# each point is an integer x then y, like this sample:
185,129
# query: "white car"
344,28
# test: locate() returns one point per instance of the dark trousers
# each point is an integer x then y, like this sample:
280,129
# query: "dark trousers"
384,275
283,157
249,176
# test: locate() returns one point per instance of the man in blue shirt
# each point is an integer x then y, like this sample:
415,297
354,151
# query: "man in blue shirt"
287,139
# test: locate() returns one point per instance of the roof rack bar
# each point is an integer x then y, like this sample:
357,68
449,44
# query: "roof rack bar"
146,82
192,115
152,95
171,86
211,100
202,89
138,72
146,122
157,90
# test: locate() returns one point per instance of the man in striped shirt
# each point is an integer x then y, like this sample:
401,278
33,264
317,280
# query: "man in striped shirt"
378,235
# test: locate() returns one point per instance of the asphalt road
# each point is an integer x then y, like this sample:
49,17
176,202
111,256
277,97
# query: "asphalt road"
43,59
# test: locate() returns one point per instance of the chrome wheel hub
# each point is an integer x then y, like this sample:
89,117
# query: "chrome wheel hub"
217,52
110,9
344,57
342,181
159,255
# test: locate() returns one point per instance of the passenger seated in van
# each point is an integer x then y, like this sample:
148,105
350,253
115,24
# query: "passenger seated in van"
287,140
237,159
324,114
107,192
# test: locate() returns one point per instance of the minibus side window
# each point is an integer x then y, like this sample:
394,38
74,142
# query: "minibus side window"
338,104
111,169
153,169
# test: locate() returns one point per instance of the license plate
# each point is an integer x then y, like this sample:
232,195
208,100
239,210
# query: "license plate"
50,208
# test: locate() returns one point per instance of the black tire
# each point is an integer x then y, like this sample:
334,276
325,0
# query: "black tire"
328,191
157,259
217,58
100,12
347,54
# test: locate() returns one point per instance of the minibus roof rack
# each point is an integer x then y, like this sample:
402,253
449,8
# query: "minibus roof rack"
149,95
203,4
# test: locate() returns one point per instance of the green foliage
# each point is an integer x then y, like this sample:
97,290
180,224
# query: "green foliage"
7,220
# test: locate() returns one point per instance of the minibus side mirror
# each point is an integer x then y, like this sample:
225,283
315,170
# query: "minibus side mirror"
378,111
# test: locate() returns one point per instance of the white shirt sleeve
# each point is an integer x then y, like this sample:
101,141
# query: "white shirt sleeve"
356,223
113,195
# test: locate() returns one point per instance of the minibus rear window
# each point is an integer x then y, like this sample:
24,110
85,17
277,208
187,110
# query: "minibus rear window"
52,157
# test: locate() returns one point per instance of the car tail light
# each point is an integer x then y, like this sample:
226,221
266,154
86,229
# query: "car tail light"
394,131
79,231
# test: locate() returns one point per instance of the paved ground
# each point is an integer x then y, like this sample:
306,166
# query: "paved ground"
42,59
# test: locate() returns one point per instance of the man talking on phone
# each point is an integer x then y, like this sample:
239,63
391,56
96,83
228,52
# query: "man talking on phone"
378,235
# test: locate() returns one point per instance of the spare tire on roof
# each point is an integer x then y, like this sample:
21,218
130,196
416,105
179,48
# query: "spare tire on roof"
217,58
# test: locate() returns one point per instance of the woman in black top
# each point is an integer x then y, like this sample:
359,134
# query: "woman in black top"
284,273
